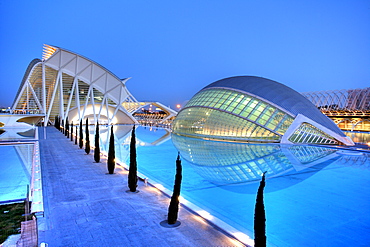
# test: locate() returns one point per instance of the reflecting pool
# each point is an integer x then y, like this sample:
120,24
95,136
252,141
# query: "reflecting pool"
15,175
314,196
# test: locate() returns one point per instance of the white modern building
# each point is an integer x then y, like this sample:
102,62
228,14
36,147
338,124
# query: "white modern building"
66,84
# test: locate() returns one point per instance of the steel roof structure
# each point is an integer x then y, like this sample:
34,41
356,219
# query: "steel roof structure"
66,84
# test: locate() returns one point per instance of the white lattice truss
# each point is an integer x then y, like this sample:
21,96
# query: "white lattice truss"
66,84
352,102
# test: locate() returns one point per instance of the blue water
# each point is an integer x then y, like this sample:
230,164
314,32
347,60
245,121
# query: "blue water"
314,196
15,171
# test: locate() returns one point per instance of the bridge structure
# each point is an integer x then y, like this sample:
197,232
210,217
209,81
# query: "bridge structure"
348,108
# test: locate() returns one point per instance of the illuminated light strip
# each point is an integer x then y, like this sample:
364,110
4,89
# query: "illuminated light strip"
48,51
205,214
37,205
239,236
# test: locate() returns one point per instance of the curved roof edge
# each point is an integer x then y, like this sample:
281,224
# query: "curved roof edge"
90,60
25,76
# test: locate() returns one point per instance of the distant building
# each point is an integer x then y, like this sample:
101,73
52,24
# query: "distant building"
255,109
66,84
348,108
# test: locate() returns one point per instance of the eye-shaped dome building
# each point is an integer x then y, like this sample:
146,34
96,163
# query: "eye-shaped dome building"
255,109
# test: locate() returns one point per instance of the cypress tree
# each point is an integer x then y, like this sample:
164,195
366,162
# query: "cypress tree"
66,131
97,147
132,173
76,134
111,153
173,209
71,131
81,135
87,144
56,122
259,217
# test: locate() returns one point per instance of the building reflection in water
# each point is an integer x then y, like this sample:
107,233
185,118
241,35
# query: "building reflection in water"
122,138
17,134
232,165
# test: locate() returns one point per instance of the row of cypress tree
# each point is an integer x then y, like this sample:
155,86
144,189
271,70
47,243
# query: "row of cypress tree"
68,131
259,217
132,176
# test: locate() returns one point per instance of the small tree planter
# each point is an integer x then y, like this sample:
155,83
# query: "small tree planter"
132,192
166,225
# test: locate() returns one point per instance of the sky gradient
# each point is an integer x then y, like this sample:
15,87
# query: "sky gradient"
172,49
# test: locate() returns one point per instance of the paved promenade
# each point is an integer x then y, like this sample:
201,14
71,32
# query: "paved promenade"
86,207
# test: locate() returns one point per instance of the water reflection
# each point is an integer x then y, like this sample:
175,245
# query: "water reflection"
122,137
14,134
16,166
358,137
239,163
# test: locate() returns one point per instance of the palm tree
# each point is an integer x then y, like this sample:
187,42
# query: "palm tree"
87,145
111,153
173,209
132,173
97,147
259,217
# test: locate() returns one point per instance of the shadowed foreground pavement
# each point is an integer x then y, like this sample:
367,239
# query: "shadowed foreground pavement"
86,207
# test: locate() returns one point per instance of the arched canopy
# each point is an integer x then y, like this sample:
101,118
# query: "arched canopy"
64,80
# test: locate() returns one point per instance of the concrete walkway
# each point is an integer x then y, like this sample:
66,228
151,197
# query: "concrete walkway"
86,207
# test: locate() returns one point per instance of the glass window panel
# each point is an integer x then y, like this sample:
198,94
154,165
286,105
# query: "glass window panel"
252,117
237,110
246,112
261,106
252,103
232,106
269,111
240,98
262,121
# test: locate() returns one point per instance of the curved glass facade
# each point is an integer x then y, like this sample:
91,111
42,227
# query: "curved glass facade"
231,115
255,109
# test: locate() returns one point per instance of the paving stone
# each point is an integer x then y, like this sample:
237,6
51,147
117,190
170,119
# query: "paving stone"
86,207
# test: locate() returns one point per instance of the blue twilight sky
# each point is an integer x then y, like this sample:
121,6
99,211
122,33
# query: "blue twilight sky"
172,49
